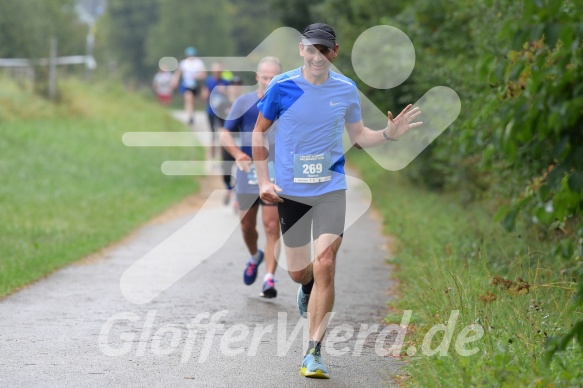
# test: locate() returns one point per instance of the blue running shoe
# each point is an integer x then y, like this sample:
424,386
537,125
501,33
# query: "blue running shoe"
312,366
250,273
269,290
303,300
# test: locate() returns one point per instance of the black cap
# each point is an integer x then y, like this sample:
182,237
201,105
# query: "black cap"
319,33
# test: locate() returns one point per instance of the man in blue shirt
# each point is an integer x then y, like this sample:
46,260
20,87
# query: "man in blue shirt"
312,106
242,118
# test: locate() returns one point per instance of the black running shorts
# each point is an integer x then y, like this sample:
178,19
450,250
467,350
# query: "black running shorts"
296,214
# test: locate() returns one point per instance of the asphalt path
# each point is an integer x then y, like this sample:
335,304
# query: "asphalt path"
81,326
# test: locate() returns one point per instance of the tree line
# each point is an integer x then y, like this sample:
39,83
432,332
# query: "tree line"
26,27
137,33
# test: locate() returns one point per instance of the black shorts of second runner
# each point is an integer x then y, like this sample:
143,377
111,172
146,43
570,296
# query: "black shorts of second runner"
195,91
296,214
247,201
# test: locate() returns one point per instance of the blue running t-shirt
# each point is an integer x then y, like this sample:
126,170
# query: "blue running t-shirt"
242,118
310,122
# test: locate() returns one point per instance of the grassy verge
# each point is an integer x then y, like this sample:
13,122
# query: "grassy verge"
451,258
69,185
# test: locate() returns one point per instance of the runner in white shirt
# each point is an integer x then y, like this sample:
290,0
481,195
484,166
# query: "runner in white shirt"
193,72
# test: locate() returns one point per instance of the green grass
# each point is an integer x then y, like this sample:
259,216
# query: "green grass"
447,257
69,185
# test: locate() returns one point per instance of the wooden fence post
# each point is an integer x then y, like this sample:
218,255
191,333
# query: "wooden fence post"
53,69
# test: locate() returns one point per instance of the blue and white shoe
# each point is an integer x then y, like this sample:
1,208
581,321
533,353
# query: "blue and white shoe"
313,367
269,290
250,273
303,300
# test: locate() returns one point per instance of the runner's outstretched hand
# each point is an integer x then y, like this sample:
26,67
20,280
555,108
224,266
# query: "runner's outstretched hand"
398,126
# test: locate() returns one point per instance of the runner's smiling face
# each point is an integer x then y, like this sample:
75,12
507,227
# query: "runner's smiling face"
317,60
